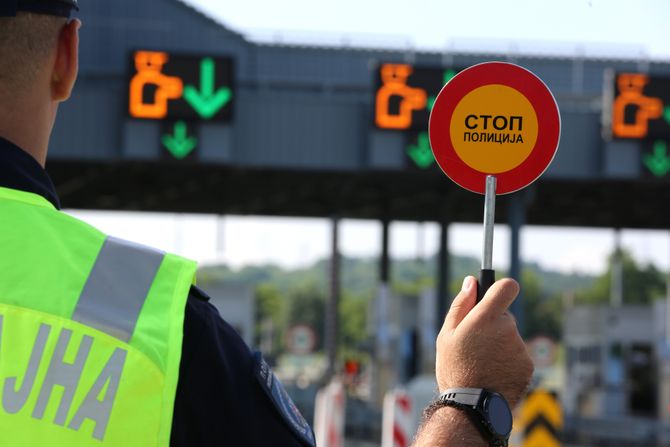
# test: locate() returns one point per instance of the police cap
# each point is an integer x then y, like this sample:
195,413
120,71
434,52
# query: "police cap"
62,8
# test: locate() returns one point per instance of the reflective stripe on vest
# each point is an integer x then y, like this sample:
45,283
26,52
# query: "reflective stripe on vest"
117,287
90,331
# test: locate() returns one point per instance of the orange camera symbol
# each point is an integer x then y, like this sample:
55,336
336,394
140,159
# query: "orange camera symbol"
630,95
394,79
149,65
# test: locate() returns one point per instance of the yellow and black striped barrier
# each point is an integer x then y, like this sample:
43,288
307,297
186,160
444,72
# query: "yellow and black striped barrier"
538,421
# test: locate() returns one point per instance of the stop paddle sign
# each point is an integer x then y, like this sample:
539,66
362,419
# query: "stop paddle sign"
498,119
494,129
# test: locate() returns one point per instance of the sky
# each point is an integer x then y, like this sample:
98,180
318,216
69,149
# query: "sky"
296,242
636,28
566,27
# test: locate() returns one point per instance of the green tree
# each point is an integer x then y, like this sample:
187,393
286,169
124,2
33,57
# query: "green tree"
542,313
353,320
641,284
269,313
269,302
308,306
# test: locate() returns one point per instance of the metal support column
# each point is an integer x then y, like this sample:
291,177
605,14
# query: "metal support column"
667,317
616,292
384,262
383,372
517,217
332,308
442,292
664,362
382,336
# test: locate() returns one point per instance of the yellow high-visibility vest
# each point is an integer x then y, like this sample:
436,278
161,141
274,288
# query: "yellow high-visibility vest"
90,331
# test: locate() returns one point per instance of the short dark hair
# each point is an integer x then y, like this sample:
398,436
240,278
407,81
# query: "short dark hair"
26,41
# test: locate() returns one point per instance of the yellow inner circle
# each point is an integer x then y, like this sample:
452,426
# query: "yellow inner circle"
494,128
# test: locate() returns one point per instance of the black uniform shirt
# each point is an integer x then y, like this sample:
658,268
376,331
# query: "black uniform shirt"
226,396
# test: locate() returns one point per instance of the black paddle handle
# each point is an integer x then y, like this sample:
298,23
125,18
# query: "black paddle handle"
486,279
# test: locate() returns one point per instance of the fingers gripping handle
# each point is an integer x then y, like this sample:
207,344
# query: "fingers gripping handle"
486,279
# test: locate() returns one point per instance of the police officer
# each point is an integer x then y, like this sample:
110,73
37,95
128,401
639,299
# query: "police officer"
107,343
104,342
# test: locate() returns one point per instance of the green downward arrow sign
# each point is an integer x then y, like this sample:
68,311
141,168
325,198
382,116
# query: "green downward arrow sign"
446,77
206,101
179,144
420,152
658,162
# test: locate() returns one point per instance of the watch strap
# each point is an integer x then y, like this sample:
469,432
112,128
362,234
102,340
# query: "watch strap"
466,396
468,400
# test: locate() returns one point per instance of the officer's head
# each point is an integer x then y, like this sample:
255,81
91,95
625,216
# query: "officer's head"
38,48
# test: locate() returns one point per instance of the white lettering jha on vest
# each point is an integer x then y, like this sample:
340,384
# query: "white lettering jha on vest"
67,375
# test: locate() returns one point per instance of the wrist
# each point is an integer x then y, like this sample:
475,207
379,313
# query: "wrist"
448,426
487,411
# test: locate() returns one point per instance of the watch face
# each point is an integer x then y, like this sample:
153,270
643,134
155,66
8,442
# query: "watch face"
499,414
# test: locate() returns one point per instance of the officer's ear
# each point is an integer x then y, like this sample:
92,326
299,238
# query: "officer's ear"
66,64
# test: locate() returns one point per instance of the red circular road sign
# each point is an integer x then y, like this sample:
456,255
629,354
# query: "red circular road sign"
301,339
494,118
542,350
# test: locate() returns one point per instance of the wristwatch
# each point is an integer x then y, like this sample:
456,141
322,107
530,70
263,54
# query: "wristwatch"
489,411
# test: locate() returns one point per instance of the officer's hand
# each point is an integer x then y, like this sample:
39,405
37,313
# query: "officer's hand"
480,346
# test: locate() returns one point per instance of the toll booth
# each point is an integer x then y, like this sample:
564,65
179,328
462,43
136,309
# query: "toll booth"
611,361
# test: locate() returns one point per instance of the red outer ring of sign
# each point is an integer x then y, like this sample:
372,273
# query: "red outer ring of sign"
532,87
